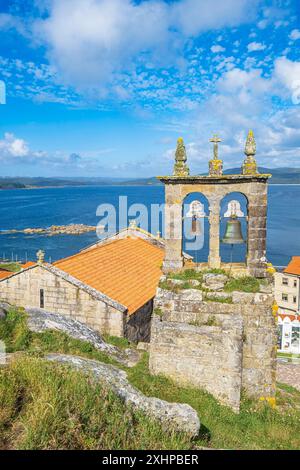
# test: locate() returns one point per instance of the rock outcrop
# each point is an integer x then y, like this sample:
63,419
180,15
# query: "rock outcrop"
40,320
180,417
215,282
71,229
4,309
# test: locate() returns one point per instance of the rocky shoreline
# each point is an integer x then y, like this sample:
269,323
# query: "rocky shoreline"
72,229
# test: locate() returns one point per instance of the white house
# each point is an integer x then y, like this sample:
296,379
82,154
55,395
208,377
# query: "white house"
287,295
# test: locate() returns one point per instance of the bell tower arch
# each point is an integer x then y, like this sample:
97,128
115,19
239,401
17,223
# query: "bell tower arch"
215,186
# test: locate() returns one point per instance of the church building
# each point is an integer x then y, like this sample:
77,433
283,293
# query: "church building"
109,286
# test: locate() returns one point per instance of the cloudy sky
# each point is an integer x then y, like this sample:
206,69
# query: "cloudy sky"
105,87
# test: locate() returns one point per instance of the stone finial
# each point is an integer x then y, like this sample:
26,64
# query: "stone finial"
132,224
250,165
180,167
250,148
40,256
215,165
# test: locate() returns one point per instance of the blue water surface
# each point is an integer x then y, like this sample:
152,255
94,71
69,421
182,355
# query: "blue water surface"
33,208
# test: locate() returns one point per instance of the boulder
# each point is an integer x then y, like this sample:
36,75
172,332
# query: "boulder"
4,309
40,320
215,281
180,417
176,282
194,282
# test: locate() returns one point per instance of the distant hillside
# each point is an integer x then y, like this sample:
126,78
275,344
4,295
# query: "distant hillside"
40,182
279,176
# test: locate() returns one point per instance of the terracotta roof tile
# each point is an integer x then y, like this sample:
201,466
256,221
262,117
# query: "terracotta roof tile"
28,264
294,266
4,274
126,270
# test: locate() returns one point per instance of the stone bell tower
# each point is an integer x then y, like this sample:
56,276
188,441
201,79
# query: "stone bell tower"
215,186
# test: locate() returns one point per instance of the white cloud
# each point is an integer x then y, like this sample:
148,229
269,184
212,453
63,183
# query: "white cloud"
287,73
195,16
91,41
294,35
244,86
16,150
217,48
255,46
11,147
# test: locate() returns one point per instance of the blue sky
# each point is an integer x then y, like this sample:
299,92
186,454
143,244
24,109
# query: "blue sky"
105,87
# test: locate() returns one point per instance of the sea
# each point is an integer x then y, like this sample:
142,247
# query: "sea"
41,208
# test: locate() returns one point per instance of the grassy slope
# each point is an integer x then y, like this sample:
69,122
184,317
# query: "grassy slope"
43,406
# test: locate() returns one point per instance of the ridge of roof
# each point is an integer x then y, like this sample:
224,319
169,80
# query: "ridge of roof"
98,247
133,232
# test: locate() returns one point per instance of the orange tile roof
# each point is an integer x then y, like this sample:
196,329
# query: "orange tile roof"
4,274
291,317
294,266
126,270
28,264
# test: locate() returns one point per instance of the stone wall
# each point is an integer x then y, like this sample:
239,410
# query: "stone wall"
207,356
214,345
61,296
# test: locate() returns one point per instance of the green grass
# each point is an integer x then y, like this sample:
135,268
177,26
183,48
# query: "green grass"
121,343
186,275
13,267
256,427
46,406
17,337
43,406
243,284
222,300
288,355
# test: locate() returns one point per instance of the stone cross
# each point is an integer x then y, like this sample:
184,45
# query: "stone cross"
216,140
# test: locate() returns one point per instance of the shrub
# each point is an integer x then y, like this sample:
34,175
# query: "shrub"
244,284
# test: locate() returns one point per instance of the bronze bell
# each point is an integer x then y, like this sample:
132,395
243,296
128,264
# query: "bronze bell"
233,234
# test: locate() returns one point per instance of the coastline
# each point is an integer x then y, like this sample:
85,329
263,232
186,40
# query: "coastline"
120,185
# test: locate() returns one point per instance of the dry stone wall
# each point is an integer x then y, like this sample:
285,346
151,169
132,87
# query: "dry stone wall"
220,347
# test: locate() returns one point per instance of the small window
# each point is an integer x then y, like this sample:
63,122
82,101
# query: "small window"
42,301
285,281
295,299
285,297
295,283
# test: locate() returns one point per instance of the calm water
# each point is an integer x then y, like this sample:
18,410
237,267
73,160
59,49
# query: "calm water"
21,209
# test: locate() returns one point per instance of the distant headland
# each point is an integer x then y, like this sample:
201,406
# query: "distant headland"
72,229
284,175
